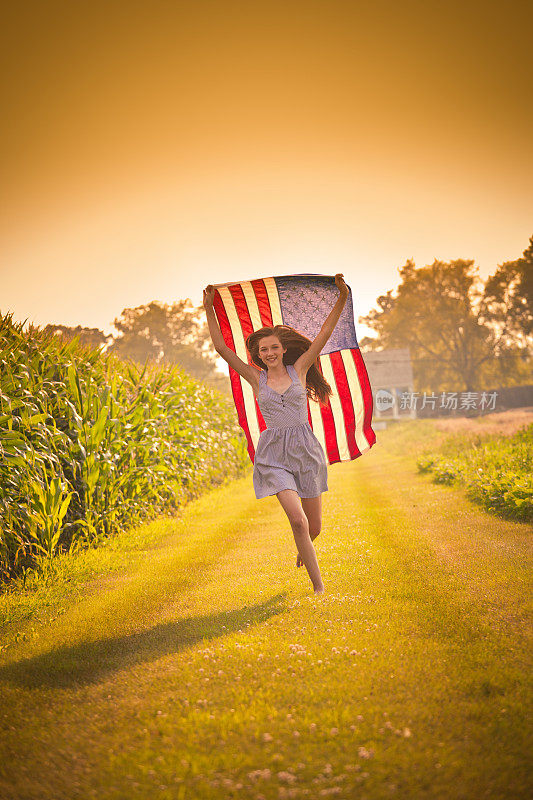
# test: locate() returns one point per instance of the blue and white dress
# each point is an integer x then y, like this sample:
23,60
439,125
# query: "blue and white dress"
288,454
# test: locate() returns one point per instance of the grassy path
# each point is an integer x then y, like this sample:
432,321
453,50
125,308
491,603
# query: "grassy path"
207,669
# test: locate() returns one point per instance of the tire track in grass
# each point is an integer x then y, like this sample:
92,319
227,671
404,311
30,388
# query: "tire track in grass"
491,558
456,608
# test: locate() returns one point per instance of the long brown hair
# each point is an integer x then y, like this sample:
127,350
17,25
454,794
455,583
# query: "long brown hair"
318,389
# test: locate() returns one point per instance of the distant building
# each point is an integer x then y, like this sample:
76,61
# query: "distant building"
391,375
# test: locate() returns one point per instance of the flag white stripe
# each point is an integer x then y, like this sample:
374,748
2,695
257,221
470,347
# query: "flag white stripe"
253,306
240,349
317,424
357,400
336,407
273,299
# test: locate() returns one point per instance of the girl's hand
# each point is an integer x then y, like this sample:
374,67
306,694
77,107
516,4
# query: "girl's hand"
209,296
339,282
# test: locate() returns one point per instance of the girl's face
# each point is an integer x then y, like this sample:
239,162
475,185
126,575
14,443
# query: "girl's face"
271,350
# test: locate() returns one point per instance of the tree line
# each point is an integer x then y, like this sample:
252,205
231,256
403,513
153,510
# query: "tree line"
160,333
462,333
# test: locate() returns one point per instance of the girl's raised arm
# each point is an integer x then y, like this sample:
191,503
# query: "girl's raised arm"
246,370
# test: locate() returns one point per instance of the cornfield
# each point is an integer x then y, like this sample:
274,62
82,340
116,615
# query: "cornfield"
90,444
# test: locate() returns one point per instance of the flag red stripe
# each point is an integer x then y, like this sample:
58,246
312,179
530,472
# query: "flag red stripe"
367,395
345,396
235,379
247,327
330,433
263,302
241,307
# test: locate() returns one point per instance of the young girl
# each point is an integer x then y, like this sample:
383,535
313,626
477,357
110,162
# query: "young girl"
289,460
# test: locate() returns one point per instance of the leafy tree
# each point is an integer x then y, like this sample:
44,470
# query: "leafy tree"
508,300
437,312
174,333
91,337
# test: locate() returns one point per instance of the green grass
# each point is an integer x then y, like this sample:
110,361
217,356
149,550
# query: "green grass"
196,663
496,471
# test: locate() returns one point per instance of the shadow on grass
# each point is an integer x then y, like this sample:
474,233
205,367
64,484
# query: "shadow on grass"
88,662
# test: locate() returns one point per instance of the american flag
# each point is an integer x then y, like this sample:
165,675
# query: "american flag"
304,301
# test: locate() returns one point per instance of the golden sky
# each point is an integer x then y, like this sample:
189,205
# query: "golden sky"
150,148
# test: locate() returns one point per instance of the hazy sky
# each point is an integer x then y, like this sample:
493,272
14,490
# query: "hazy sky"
151,148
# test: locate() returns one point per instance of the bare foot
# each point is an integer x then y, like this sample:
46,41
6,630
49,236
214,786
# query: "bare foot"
319,589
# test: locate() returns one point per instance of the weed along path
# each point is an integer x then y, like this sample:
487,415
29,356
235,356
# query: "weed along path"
206,668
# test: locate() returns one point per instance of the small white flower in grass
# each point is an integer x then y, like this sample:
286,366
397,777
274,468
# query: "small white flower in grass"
330,790
334,731
328,769
267,737
288,777
259,773
407,732
295,733
312,726
364,753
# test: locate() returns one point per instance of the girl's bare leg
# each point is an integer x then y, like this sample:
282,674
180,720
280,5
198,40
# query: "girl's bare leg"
312,507
292,506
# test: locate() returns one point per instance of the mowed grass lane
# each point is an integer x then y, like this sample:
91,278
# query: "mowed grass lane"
210,670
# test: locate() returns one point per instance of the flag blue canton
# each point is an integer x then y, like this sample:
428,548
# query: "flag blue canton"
306,302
